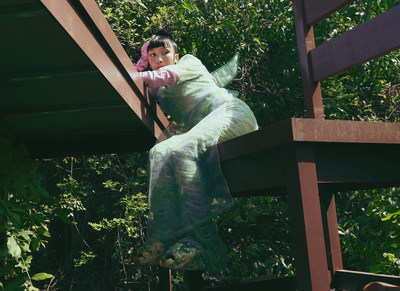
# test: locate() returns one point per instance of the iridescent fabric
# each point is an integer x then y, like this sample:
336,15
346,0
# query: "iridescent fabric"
186,186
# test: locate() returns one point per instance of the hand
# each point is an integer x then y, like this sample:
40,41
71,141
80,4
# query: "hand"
143,62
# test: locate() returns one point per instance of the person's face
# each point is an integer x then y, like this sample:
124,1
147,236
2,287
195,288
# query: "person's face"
162,56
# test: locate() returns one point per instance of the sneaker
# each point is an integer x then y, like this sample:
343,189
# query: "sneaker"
150,254
183,256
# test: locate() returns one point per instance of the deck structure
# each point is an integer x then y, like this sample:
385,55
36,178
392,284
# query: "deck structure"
65,81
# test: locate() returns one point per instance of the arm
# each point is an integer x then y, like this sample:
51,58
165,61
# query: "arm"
161,77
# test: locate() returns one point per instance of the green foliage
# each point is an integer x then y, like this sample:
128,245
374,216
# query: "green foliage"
269,79
23,220
370,234
97,209
257,232
102,211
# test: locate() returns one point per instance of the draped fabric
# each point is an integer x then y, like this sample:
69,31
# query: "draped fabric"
186,186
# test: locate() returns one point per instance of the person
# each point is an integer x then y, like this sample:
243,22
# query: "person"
187,189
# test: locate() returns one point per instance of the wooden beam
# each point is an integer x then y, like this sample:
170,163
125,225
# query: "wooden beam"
352,280
22,11
316,10
85,23
359,45
306,217
309,130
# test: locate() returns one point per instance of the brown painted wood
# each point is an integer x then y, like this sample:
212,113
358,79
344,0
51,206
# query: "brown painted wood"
315,10
164,276
359,45
332,241
304,206
85,23
353,280
345,131
76,96
309,159
306,43
349,155
310,130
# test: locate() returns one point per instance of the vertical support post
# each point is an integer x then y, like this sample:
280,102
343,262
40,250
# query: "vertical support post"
334,252
193,280
305,210
165,279
305,43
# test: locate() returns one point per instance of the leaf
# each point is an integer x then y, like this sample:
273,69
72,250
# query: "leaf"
390,215
25,234
35,243
13,248
42,276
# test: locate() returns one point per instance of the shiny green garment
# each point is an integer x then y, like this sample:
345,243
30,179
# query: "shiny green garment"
186,186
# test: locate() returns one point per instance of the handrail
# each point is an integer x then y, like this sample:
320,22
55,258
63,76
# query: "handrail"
96,38
359,45
315,10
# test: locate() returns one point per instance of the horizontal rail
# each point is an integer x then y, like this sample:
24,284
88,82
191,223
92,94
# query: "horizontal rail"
316,10
352,280
84,22
359,45
309,130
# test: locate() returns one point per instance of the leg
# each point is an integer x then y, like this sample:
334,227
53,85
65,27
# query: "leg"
200,247
310,254
334,253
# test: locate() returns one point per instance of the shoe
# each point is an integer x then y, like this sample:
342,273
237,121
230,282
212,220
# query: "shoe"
150,254
183,256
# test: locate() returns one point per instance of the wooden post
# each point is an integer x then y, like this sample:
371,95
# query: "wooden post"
193,280
165,279
305,210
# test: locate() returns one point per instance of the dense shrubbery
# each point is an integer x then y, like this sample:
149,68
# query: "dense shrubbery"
23,217
97,206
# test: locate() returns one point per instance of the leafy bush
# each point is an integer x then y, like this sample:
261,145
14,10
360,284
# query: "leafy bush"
23,218
102,211
369,230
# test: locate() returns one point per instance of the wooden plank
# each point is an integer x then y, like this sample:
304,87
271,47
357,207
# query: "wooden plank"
332,240
367,41
306,43
309,130
345,152
340,167
84,22
257,174
351,280
260,140
315,10
345,131
357,163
